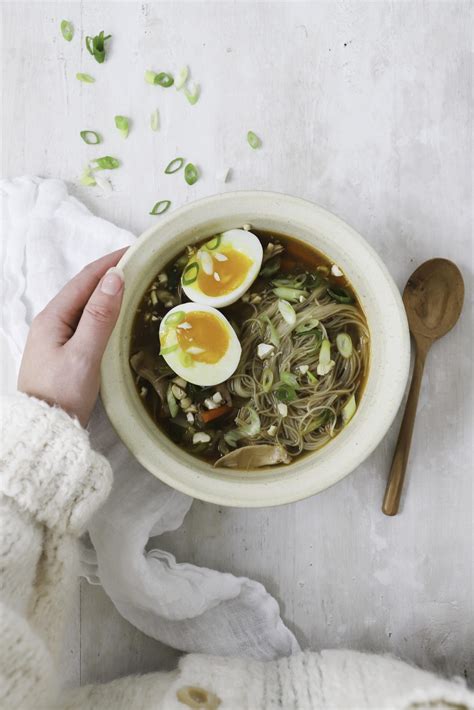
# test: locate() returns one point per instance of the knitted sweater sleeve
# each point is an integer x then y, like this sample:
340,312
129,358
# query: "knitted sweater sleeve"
51,483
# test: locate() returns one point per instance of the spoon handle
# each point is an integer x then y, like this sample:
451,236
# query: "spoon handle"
393,491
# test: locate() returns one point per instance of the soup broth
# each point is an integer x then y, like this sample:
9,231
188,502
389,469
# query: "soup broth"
304,356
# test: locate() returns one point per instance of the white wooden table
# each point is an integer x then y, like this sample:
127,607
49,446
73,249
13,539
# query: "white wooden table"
363,107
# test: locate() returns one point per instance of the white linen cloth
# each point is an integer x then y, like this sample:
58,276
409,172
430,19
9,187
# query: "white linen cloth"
46,237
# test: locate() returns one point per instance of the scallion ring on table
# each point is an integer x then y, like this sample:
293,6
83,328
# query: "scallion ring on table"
160,207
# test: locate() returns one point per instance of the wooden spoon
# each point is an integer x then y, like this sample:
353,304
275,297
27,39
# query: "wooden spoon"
433,299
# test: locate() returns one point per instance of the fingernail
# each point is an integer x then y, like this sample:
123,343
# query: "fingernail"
112,283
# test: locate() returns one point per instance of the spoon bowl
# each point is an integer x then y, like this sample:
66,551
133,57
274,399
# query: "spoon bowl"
433,299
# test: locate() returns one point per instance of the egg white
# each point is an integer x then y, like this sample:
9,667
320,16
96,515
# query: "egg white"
246,243
201,373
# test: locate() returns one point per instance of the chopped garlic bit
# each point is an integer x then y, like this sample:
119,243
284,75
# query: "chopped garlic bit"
190,417
301,299
217,397
220,257
194,350
185,325
303,369
186,402
216,276
143,392
210,404
247,227
264,350
323,369
336,271
162,278
272,430
201,438
282,409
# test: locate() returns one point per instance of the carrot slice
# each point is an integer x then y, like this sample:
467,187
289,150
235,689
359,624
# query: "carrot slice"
212,414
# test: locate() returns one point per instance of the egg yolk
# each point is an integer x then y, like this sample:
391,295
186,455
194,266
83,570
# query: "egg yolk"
230,273
206,333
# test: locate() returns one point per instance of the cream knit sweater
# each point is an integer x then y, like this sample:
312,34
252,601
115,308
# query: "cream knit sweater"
51,483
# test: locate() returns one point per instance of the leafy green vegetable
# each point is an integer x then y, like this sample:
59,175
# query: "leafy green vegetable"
253,140
160,207
191,174
340,294
163,79
123,124
96,46
90,137
86,78
67,30
106,163
175,165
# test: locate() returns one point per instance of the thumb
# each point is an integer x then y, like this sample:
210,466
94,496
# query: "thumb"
100,315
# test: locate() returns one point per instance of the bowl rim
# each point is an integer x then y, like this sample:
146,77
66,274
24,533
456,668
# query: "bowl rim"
228,491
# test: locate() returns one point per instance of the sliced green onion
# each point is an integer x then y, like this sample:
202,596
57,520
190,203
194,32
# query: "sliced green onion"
289,294
172,403
175,318
214,242
106,163
294,282
250,425
163,79
325,363
175,165
285,393
90,137
340,294
160,207
191,174
307,326
190,273
150,76
287,312
192,93
344,344
87,178
349,409
123,124
253,140
96,46
274,337
267,379
185,358
314,280
86,78
288,378
67,30
271,267
182,77
314,380
318,421
155,120
169,349
232,437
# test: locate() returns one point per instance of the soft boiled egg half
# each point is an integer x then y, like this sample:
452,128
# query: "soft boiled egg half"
199,344
223,268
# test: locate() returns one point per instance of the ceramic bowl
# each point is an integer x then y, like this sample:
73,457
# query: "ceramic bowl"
389,356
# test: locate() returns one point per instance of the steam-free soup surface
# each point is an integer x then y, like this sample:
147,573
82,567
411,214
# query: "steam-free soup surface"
305,353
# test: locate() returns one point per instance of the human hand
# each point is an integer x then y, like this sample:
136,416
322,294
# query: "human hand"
61,362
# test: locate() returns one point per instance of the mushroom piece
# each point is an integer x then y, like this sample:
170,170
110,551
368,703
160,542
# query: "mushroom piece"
254,456
143,363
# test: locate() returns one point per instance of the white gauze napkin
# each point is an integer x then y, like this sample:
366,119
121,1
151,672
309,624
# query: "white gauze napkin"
46,237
